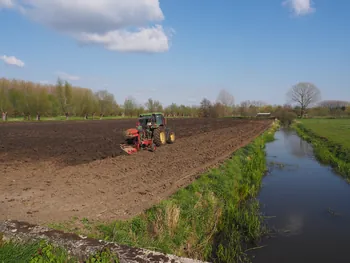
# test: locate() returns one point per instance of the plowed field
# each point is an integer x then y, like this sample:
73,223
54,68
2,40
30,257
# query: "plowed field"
52,171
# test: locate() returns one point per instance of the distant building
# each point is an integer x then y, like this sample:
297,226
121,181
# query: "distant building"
263,115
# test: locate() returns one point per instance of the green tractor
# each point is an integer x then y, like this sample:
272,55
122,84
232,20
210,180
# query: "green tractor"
151,131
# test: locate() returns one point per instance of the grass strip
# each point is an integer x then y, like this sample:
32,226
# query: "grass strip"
335,130
43,252
326,150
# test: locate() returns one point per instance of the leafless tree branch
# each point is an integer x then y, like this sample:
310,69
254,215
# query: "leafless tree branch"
304,94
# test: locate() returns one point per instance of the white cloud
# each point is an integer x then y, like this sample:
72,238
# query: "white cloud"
6,4
119,25
151,39
12,61
300,7
67,76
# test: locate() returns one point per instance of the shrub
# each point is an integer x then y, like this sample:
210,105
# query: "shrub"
285,117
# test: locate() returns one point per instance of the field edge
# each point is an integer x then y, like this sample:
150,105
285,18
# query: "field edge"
326,151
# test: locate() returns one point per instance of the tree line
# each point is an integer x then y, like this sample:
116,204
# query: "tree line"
306,97
26,99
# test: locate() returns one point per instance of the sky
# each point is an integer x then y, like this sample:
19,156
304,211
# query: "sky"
180,51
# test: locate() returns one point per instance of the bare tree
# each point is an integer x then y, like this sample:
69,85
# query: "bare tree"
304,94
205,108
226,98
64,95
334,104
130,106
258,103
106,102
243,108
334,107
153,105
4,100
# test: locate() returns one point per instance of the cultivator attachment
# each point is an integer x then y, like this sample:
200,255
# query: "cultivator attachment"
134,148
132,139
129,149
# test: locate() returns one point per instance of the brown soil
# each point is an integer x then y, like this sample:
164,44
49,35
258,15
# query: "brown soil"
51,172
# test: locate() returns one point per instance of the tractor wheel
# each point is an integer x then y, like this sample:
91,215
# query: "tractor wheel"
171,138
159,137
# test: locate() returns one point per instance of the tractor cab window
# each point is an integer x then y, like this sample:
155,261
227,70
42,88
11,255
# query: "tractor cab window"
153,118
159,119
143,122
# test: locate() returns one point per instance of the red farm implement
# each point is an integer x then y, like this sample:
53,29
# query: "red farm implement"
150,132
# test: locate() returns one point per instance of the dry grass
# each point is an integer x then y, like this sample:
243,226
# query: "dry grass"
172,213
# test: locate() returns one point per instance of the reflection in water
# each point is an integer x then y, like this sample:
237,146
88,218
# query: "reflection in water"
294,225
297,200
298,147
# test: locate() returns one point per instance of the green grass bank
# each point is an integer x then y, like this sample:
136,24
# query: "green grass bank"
216,218
336,130
330,140
43,252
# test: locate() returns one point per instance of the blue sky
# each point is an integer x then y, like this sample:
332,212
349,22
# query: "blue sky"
184,51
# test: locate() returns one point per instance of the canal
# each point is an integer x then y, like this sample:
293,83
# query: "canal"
306,204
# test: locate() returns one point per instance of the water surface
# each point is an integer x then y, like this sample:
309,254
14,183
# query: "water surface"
310,205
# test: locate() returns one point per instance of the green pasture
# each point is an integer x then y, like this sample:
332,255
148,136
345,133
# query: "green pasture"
335,130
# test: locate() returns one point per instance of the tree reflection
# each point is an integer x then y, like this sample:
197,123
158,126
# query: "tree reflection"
298,147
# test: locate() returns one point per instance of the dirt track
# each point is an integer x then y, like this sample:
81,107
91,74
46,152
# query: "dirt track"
51,172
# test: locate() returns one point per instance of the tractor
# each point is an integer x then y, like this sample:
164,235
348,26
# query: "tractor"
151,132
